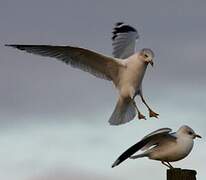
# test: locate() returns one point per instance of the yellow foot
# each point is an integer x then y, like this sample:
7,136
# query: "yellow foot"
141,116
153,114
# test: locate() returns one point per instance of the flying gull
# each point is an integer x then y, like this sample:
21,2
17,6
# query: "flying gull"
126,69
162,145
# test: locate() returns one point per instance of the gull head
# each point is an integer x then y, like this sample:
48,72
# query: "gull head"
187,132
147,56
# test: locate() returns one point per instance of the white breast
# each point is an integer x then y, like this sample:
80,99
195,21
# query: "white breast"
173,151
132,76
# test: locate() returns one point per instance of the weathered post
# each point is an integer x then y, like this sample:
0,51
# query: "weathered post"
181,174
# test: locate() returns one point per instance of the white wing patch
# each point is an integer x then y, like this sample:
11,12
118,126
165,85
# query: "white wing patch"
124,40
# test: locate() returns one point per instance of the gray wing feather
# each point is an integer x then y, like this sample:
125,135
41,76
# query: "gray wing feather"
124,40
99,65
156,136
159,131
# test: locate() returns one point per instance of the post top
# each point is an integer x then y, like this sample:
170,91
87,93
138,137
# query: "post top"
182,170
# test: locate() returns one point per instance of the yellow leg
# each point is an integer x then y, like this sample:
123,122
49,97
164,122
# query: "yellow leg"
140,115
151,112
167,164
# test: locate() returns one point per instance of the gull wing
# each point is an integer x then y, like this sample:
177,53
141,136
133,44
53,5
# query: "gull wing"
150,139
156,136
97,64
159,131
124,40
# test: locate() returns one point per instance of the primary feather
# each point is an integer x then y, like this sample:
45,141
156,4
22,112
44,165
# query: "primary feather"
124,40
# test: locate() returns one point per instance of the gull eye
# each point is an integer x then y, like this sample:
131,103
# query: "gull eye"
190,133
145,55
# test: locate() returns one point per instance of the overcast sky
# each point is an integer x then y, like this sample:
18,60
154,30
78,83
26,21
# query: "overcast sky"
53,118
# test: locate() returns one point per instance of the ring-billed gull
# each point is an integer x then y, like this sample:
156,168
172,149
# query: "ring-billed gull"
162,145
126,74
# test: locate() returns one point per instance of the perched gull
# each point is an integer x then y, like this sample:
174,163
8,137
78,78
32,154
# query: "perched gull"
162,145
126,70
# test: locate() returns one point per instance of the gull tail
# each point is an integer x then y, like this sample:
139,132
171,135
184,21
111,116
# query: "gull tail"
129,152
124,112
123,157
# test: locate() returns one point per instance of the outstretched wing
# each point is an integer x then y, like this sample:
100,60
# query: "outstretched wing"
149,139
124,40
97,64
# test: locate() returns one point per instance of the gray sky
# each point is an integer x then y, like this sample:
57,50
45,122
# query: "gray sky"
53,118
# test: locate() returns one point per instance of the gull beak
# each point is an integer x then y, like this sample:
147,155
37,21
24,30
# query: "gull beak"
152,63
198,136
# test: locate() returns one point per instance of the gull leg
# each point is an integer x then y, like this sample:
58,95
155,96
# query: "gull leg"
140,115
170,165
164,163
151,112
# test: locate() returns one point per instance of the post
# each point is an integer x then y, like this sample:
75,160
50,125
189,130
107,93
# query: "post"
181,174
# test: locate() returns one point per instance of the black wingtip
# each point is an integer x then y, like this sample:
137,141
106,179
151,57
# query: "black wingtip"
17,46
11,45
121,27
7,45
119,23
116,163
